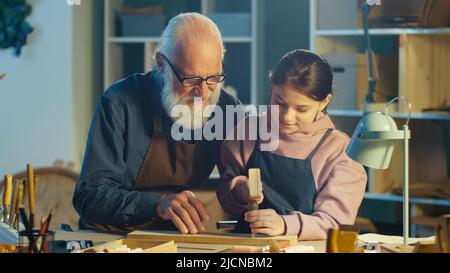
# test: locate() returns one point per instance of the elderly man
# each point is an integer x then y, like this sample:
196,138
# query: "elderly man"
134,174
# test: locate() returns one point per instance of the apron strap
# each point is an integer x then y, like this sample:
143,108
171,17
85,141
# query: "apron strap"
157,127
322,140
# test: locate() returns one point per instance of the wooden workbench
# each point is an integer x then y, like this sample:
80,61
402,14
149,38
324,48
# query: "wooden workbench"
201,247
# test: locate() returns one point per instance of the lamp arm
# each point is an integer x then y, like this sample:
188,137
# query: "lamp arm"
372,81
386,108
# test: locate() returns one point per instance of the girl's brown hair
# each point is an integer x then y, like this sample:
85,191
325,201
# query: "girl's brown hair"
306,71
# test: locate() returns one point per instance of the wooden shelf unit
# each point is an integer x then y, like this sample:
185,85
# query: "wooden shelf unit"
126,55
411,62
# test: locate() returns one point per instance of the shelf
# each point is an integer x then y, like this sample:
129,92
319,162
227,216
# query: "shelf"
127,40
412,200
381,31
358,113
156,39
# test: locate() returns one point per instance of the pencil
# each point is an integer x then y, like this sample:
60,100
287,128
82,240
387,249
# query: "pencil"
47,226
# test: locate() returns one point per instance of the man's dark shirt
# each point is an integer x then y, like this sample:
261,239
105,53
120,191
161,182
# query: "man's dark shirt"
120,133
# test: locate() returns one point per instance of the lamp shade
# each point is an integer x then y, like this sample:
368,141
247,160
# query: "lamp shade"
373,152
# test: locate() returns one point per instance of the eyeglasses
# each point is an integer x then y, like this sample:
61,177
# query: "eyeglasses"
193,81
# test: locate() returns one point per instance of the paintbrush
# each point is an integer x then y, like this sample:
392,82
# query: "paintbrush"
23,216
40,234
36,183
19,205
7,198
31,194
12,213
47,226
26,223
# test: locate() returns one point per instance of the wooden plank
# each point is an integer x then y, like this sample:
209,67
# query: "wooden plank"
215,248
210,238
423,75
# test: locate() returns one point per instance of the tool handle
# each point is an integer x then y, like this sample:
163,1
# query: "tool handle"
252,205
7,190
19,197
14,200
31,192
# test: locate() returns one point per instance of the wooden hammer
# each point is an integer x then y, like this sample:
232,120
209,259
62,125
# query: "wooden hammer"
255,188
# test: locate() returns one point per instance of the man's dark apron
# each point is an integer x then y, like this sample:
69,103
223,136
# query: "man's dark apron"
288,183
169,166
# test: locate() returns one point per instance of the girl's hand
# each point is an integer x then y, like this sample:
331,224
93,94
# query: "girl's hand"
266,221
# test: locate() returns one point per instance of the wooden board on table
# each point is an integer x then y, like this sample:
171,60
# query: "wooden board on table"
147,246
211,238
90,235
201,248
217,248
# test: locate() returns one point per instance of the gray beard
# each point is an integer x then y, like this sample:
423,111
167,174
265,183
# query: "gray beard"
198,115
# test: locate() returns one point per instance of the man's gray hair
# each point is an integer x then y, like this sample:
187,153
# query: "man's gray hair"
177,25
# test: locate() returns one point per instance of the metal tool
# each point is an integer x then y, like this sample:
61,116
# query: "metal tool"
226,224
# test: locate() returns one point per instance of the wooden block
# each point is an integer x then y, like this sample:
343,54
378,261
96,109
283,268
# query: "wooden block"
339,241
210,238
255,185
425,248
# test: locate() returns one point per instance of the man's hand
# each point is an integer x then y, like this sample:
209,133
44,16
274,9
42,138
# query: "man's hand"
265,221
185,211
244,188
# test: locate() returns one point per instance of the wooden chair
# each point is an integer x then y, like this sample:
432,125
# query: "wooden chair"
54,190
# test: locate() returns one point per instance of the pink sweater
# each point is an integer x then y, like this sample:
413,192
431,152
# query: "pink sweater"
340,181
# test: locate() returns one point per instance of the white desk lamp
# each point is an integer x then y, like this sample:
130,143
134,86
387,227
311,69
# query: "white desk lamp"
372,145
